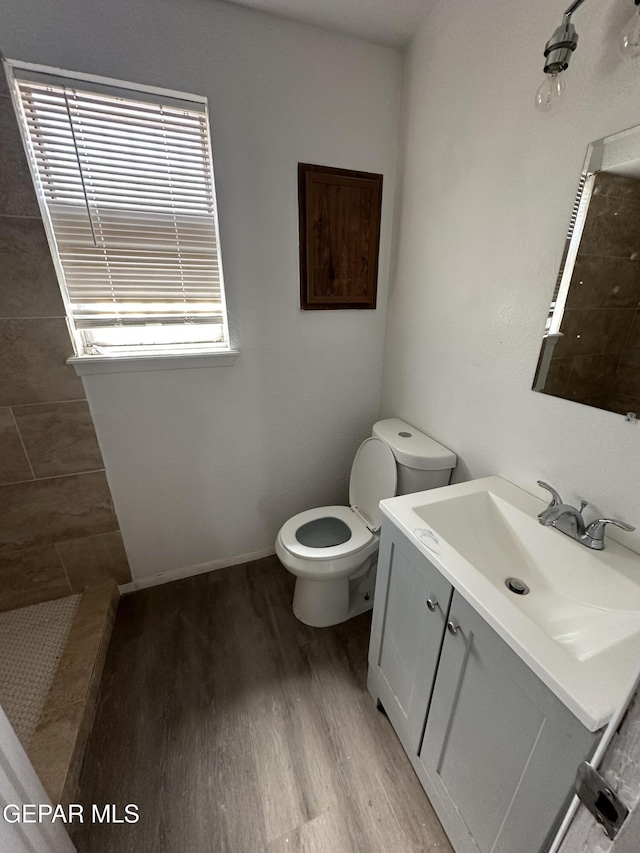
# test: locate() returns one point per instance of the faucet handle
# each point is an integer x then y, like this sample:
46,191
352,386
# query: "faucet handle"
556,500
595,530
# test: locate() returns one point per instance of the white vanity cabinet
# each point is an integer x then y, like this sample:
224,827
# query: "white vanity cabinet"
493,747
411,607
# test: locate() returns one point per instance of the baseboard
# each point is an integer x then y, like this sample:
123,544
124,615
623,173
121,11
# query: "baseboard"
190,571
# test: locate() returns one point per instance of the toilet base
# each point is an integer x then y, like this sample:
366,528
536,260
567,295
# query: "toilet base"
321,604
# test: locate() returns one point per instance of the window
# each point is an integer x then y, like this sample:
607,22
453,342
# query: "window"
125,179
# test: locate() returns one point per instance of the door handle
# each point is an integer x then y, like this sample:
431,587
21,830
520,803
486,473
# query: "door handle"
432,604
452,627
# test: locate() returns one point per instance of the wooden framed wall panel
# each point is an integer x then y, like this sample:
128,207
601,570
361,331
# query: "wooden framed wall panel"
339,219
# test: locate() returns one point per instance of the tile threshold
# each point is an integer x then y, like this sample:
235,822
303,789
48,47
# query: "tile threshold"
58,744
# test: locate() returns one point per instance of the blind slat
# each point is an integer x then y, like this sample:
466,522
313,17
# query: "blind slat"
125,177
57,109
94,131
137,197
66,156
168,320
47,91
124,152
125,138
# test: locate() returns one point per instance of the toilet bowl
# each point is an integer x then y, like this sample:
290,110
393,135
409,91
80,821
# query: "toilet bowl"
333,550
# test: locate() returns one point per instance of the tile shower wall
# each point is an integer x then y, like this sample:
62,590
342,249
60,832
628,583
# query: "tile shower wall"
598,359
58,529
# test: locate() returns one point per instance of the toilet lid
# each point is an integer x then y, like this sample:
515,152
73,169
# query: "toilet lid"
374,477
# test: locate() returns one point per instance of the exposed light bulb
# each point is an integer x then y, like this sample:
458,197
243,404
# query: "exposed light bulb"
630,37
550,91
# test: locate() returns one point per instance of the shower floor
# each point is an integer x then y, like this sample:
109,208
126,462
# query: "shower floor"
32,640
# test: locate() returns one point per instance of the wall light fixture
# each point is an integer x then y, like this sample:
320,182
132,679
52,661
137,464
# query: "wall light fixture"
560,47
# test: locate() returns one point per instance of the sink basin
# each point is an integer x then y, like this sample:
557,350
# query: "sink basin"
571,598
577,627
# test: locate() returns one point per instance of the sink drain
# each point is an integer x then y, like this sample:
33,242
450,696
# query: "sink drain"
517,586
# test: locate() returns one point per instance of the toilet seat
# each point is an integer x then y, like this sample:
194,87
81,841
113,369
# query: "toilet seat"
332,550
360,537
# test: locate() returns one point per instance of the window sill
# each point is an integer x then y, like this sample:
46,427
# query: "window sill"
90,365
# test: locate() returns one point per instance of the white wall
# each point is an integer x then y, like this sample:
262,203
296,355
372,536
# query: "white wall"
206,464
488,188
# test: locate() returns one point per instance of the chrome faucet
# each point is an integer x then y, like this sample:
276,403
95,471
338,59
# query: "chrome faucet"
568,519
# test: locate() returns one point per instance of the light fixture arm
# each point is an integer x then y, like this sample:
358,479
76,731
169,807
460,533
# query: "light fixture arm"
566,19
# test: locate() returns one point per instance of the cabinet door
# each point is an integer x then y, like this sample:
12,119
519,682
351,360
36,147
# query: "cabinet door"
406,635
500,750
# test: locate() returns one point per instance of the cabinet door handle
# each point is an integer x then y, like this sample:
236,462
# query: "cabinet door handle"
432,604
452,628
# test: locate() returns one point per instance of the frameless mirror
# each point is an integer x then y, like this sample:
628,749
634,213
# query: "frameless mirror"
591,345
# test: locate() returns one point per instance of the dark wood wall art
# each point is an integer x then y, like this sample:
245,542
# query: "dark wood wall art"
339,217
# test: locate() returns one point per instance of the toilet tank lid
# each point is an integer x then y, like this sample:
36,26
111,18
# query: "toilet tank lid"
415,449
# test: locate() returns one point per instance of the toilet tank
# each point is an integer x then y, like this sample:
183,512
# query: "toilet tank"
422,462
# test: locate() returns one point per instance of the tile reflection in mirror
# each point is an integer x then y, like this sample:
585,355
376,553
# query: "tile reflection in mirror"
591,347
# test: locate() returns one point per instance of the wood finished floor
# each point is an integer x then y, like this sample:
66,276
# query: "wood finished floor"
236,729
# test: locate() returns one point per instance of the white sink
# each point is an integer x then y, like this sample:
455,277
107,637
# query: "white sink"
573,597
578,626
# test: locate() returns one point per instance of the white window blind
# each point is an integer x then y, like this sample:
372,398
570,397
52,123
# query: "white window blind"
127,180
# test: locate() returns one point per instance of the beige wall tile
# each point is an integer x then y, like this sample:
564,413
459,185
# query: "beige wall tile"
617,186
93,560
47,511
594,331
17,195
86,647
4,86
28,281
33,367
29,576
618,332
52,749
14,465
611,228
592,374
558,380
59,438
628,379
621,403
601,282
631,352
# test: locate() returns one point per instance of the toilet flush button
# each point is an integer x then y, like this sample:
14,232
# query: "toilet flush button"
405,434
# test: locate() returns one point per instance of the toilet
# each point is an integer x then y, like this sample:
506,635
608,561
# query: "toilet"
333,550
